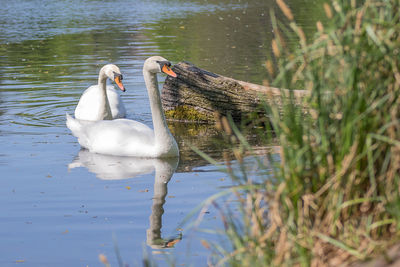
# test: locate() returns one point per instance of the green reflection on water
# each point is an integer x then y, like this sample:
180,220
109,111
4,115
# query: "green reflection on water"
234,42
59,59
49,74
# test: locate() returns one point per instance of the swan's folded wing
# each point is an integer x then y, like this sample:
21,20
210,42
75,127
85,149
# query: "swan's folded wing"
88,105
120,137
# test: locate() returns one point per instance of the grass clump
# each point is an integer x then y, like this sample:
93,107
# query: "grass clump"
334,194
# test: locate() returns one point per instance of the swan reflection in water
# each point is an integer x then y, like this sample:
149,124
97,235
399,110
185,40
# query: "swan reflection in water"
114,168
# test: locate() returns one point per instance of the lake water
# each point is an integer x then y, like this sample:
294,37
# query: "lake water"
63,206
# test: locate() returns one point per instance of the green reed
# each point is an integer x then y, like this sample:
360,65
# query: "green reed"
334,194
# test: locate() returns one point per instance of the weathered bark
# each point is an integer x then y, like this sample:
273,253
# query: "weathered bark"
197,95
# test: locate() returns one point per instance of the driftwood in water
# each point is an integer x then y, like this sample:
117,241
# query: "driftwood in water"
198,95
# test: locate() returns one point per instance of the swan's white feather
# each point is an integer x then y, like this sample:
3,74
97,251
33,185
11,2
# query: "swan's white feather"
90,102
123,137
120,137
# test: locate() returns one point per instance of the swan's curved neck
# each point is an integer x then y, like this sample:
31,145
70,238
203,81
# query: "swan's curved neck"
163,136
104,112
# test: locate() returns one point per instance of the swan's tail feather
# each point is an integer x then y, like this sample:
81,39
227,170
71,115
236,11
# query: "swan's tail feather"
78,130
73,124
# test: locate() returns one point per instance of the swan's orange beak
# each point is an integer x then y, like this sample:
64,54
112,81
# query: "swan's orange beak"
118,81
167,70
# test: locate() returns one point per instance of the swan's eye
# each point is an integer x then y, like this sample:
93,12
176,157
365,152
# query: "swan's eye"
164,63
118,81
118,76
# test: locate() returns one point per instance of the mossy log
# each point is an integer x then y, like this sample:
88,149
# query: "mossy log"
198,95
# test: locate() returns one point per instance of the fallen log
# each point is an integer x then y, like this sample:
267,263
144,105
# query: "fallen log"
197,95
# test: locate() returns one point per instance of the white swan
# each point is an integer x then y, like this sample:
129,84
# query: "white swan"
123,137
102,102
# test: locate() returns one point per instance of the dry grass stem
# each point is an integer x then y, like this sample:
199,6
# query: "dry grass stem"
285,9
331,196
328,10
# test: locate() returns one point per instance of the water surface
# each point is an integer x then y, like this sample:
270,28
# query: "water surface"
60,205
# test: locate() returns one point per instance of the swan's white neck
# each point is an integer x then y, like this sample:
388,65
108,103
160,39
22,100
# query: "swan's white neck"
164,141
104,112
